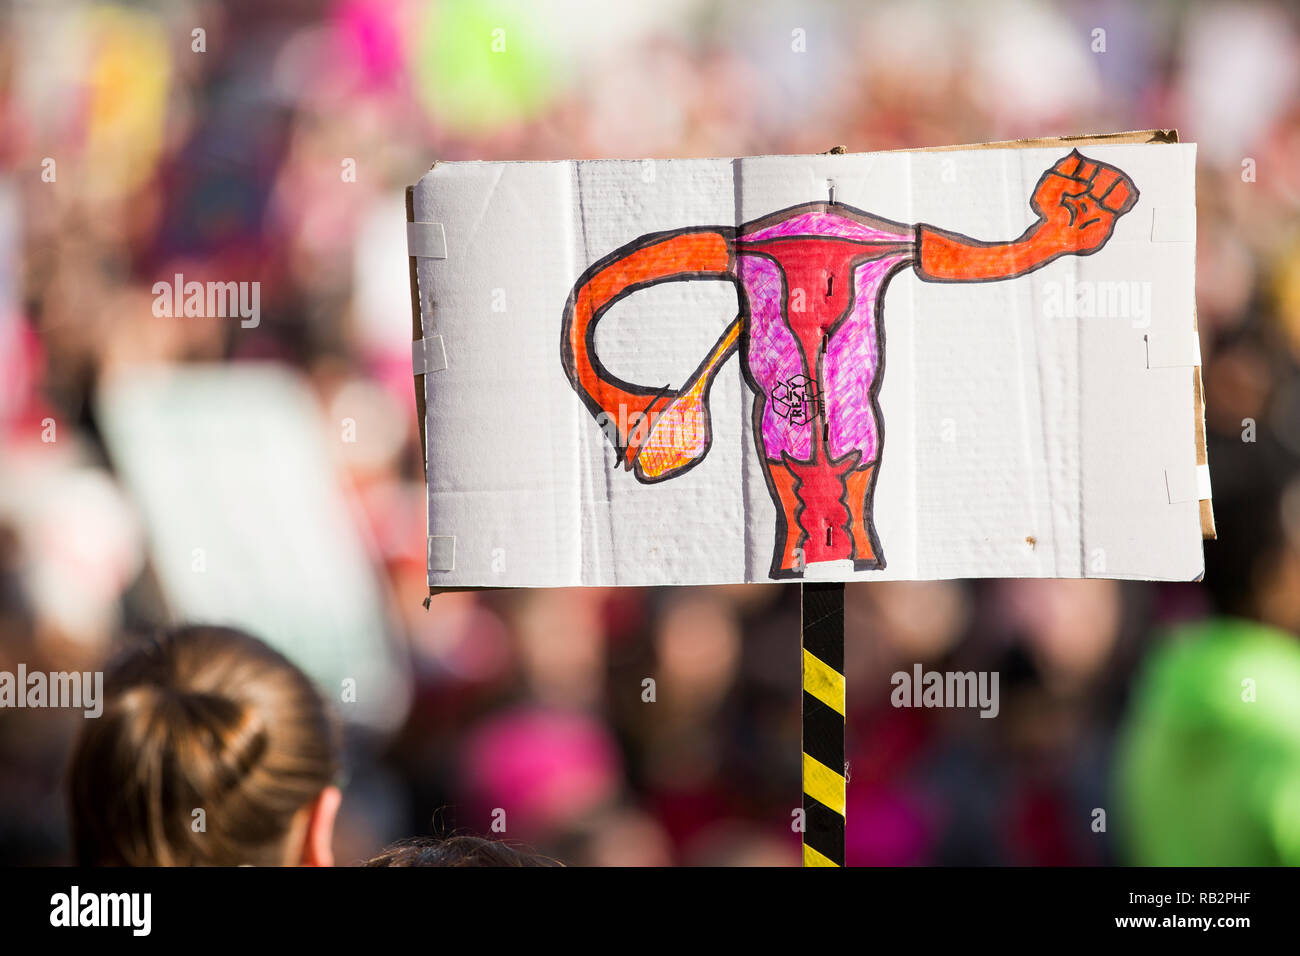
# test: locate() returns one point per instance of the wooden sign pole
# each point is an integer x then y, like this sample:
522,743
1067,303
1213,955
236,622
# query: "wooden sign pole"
822,626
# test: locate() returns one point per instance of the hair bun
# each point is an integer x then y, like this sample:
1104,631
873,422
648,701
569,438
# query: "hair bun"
218,740
209,719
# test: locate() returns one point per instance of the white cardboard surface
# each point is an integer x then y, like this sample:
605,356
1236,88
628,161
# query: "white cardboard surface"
1028,433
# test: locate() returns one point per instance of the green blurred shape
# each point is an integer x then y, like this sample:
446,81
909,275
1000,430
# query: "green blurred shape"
1206,776
481,65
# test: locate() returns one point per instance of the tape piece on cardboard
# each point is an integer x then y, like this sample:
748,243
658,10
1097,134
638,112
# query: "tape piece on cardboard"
1183,485
426,240
442,552
1173,224
1173,351
428,355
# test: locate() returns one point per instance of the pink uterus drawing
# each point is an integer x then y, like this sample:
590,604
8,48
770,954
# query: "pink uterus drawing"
814,279
811,282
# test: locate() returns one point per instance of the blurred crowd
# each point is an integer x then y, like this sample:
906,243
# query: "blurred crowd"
270,142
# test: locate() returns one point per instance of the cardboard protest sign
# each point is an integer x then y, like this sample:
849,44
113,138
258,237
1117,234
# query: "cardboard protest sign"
248,525
907,365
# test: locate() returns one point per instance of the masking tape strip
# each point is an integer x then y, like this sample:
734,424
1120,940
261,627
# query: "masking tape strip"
1183,485
1173,224
1173,351
426,240
428,355
442,552
1203,490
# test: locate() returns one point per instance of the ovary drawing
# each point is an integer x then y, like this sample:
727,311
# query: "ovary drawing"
811,281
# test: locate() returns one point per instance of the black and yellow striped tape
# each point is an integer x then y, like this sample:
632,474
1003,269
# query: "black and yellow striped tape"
823,724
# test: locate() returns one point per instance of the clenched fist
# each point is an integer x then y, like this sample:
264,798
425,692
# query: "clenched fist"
1078,201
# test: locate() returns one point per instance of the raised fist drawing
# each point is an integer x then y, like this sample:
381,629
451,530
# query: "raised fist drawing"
1078,201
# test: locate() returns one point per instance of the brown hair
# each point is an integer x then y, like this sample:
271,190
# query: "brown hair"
206,718
460,850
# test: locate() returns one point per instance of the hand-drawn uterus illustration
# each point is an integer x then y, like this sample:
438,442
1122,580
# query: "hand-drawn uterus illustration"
811,283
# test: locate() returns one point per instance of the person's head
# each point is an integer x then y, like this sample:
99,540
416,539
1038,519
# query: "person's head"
461,850
212,749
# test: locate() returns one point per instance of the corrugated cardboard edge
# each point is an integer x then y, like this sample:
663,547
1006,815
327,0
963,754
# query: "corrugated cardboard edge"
1148,136
417,333
1137,136
1208,530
